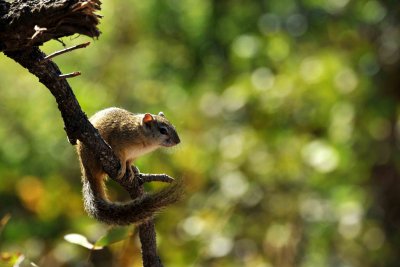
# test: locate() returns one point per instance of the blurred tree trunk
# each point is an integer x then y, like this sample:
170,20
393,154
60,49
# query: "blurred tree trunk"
385,177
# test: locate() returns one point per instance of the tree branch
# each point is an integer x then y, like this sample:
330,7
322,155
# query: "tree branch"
25,24
147,235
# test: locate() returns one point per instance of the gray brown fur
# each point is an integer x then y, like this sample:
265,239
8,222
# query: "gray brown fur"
130,136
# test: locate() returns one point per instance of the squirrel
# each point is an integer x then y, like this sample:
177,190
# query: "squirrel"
130,136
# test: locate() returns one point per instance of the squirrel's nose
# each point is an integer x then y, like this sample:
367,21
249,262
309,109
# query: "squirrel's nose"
176,139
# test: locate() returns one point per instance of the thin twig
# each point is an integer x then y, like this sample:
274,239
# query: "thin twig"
151,177
69,75
66,50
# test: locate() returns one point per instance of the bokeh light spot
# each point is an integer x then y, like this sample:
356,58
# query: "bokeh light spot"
234,98
278,235
231,146
210,104
245,46
234,184
193,225
262,79
374,238
297,25
373,12
219,246
314,209
350,214
336,6
311,70
342,117
278,48
321,156
269,23
346,80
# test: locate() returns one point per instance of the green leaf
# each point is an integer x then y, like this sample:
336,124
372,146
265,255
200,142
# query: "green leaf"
114,235
81,240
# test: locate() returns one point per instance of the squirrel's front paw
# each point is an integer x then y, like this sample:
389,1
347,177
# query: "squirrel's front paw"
121,172
135,170
132,174
129,175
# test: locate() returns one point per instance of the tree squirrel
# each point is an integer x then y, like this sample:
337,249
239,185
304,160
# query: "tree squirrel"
130,136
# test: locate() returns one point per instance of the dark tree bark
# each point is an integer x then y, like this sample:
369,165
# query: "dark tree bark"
30,23
26,24
147,235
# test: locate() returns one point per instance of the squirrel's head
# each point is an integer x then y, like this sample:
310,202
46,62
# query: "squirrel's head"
160,129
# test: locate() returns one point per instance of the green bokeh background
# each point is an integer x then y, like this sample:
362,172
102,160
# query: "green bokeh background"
289,118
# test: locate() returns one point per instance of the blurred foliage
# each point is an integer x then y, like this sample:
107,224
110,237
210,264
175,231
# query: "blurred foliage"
289,119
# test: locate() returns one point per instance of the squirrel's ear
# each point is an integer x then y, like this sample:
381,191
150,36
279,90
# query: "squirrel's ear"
161,114
147,118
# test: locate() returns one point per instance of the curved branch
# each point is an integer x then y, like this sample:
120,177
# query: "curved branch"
25,24
30,23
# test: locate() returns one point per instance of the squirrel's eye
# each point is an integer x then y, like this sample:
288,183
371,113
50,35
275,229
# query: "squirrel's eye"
163,130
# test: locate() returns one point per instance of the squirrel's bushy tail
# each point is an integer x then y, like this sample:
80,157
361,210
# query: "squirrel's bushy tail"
135,211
